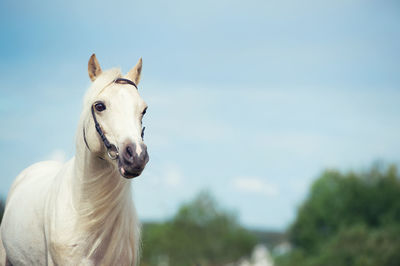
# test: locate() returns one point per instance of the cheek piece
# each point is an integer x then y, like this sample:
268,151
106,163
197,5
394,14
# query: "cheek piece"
112,150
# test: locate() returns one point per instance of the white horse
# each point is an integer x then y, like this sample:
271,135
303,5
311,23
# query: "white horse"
81,212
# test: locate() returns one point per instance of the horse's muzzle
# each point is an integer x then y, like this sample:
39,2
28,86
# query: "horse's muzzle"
130,163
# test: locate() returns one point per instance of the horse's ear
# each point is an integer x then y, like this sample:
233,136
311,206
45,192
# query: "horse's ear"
94,68
134,73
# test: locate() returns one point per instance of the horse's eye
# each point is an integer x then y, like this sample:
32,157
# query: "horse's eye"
100,106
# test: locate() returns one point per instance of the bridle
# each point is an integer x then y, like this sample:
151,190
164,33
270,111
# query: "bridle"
112,150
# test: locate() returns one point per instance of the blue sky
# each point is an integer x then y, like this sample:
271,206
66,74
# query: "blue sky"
249,99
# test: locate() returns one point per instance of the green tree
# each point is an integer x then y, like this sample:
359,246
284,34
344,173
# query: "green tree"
201,233
349,219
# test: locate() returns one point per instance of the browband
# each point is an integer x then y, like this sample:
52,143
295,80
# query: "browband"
125,81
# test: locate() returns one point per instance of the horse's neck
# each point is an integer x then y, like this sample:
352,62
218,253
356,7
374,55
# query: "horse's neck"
103,204
99,191
98,221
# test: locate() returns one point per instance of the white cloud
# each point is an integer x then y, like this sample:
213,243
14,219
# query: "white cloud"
57,155
166,176
255,185
301,186
173,176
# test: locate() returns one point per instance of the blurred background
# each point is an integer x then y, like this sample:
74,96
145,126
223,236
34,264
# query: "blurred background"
273,126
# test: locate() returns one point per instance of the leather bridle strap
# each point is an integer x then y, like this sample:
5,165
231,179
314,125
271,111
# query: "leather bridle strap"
112,150
125,81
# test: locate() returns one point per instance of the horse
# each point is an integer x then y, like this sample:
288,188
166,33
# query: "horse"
81,212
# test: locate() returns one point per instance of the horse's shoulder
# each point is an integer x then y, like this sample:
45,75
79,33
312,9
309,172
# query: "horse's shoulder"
37,171
44,167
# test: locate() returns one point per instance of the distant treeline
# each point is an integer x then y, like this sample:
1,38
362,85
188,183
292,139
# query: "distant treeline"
201,233
350,219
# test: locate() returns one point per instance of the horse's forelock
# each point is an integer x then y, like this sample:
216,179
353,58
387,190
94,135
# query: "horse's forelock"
106,78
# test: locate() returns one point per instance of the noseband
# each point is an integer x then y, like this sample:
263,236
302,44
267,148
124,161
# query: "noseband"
112,150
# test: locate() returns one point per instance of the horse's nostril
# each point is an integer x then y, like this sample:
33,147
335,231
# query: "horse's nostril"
129,151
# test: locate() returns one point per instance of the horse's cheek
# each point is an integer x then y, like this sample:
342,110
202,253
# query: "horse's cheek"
93,140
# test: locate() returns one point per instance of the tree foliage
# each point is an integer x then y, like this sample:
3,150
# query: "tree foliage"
349,219
201,233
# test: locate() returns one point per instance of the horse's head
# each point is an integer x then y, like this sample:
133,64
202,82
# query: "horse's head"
113,128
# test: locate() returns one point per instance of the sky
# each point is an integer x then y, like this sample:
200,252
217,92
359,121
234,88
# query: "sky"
250,100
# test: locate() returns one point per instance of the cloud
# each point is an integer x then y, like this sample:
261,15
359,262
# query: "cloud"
255,185
301,185
57,155
167,176
173,176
